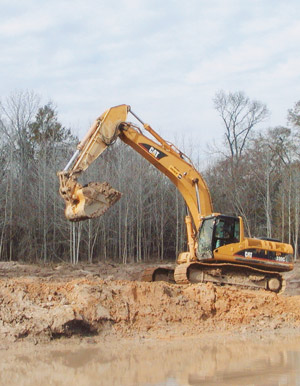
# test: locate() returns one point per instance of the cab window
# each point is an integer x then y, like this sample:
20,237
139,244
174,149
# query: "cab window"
227,231
205,237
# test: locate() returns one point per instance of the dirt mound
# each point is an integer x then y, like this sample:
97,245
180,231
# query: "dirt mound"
56,302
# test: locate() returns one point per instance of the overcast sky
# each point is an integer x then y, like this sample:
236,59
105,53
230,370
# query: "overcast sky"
165,58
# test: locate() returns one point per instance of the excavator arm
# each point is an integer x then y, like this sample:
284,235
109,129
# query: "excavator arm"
92,200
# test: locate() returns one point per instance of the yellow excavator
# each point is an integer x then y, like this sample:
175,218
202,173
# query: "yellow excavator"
218,250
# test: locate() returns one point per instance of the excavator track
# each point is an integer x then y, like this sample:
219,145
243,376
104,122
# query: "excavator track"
158,274
229,274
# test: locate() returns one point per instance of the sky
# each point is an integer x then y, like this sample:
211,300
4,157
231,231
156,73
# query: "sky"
167,59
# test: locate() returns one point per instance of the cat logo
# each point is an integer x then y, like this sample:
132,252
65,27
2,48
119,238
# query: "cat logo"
248,254
153,151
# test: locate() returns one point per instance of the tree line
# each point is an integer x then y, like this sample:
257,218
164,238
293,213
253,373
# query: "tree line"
254,174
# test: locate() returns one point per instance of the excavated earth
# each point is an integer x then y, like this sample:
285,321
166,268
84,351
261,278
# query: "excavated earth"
42,303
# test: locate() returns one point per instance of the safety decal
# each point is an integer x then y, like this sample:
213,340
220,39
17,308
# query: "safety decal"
175,171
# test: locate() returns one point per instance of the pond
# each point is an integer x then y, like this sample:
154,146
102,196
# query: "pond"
210,360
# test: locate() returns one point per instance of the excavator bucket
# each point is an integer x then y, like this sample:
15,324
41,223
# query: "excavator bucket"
90,201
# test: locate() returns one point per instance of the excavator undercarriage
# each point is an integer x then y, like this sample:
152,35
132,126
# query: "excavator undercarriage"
218,273
158,274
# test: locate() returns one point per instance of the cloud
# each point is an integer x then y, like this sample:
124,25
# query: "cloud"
167,59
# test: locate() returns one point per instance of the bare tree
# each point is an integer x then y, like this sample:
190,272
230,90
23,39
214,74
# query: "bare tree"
294,115
239,115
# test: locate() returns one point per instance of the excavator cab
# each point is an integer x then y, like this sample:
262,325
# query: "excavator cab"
216,231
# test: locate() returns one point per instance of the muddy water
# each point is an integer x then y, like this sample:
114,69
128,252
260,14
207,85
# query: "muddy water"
207,361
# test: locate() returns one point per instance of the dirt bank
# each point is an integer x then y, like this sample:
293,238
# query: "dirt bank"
41,303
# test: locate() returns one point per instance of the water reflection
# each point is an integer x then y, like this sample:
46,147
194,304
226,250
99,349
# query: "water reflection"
177,362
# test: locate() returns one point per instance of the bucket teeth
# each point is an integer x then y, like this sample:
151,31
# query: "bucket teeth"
92,200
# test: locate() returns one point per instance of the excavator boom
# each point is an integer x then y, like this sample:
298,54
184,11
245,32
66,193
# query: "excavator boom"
84,202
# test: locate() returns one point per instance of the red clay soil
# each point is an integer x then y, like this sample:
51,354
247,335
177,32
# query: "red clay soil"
41,303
